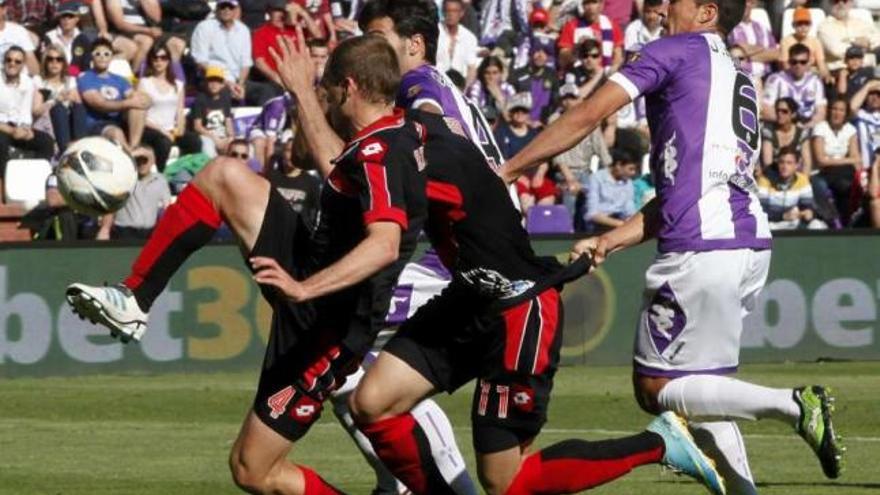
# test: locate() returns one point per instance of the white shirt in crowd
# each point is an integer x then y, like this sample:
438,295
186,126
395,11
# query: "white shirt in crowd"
457,52
637,35
14,34
809,92
836,143
17,102
163,111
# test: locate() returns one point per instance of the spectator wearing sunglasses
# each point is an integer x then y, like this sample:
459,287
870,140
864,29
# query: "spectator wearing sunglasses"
60,101
802,21
785,133
14,34
151,194
64,34
19,99
799,83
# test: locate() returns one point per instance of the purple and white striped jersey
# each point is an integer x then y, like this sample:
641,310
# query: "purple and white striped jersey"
705,142
273,118
426,84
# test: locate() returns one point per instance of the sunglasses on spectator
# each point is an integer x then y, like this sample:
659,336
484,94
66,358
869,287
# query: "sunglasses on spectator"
802,23
102,53
243,156
799,61
14,61
594,55
142,160
783,110
225,6
55,59
161,56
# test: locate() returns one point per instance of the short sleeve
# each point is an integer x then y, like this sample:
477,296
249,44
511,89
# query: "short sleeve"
381,180
416,91
650,70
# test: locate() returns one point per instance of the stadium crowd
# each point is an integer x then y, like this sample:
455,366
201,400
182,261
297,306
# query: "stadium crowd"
179,82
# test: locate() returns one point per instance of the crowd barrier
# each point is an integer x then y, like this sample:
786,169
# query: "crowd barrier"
820,302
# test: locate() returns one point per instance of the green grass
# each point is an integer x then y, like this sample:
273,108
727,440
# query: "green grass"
171,434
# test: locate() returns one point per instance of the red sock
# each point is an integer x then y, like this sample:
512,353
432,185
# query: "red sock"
572,466
404,449
315,485
186,226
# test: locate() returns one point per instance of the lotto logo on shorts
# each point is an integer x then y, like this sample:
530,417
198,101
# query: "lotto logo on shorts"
278,402
523,398
305,410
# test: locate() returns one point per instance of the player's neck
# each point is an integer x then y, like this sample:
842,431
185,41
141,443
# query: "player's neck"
366,114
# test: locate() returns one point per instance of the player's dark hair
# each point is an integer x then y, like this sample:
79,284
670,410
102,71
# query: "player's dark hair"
410,18
798,49
99,42
730,13
457,79
371,62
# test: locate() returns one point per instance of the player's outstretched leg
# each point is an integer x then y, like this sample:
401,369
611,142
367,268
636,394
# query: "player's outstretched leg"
224,190
575,465
259,464
807,409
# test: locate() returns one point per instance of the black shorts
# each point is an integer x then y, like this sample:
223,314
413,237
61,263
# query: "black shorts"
305,359
513,354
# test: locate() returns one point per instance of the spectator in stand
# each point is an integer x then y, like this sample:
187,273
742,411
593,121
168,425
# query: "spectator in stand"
535,187
648,28
151,194
865,105
13,34
212,113
622,12
785,133
33,15
503,22
320,15
490,91
854,75
539,80
253,13
874,192
574,164
611,194
164,121
300,188
591,23
93,24
836,154
799,83
225,42
801,22
19,99
457,47
60,100
758,42
840,30
278,25
107,96
319,52
265,131
586,72
786,194
63,35
126,18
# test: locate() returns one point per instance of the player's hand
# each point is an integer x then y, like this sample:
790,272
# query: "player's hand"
595,247
293,63
269,272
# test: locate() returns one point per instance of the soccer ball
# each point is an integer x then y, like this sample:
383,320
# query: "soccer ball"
95,176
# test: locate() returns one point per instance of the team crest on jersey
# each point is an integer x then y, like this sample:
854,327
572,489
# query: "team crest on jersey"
372,150
279,400
414,90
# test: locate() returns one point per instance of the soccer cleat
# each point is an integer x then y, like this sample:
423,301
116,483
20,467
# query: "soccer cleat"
815,427
113,307
682,454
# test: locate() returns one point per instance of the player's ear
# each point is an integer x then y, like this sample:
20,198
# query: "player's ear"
707,13
415,45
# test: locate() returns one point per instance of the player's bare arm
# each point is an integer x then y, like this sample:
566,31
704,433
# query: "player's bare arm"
297,74
570,129
639,228
378,250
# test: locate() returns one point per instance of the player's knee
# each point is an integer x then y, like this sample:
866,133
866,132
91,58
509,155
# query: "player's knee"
647,392
367,406
494,483
245,476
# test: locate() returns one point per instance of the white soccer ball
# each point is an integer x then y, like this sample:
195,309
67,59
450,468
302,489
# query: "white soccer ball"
95,176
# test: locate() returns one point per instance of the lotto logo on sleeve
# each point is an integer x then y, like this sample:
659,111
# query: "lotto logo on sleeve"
372,150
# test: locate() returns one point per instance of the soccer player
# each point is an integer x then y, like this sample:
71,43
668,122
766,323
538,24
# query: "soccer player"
461,335
329,291
713,238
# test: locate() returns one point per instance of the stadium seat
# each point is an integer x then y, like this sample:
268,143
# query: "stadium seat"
25,181
243,117
761,17
549,219
816,15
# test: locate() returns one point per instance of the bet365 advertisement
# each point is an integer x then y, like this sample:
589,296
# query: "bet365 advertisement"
821,301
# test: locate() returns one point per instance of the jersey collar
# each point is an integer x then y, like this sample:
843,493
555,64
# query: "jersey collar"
393,121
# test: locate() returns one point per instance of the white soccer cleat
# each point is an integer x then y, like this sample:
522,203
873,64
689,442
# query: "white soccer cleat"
113,307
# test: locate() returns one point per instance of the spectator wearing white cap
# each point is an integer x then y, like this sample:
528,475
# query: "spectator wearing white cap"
225,41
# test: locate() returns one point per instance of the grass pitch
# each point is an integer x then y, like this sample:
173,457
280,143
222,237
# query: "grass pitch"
170,434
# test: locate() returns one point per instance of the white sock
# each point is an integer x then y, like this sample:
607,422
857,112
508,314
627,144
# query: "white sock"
444,449
722,441
385,481
720,397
